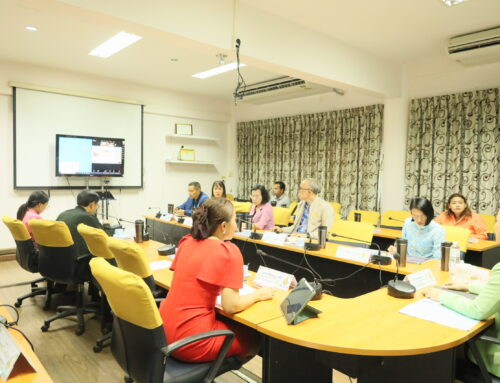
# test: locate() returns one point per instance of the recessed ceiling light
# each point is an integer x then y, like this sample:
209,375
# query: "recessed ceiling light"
218,70
174,59
31,28
114,44
451,3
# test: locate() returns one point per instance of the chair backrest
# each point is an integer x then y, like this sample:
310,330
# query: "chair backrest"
96,240
281,215
459,234
230,197
242,207
26,252
130,257
138,334
394,219
367,216
359,230
336,207
58,259
489,221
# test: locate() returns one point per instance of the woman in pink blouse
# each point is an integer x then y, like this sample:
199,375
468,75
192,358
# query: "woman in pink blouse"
36,204
261,211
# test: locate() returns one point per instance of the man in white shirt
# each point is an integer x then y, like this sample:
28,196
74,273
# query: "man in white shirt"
279,198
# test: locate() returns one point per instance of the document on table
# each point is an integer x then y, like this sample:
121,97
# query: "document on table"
158,265
245,290
359,254
435,312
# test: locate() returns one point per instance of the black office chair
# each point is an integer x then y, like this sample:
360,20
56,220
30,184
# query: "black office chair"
60,262
487,378
27,258
139,344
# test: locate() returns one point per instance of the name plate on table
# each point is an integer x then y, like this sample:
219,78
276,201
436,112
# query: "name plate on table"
188,221
421,279
273,278
274,238
356,253
9,352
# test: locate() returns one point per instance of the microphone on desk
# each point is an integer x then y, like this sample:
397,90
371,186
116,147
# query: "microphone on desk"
397,288
253,234
169,248
310,245
376,259
395,219
316,284
158,215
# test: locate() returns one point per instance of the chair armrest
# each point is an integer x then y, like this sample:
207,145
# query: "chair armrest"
212,373
83,257
158,301
490,339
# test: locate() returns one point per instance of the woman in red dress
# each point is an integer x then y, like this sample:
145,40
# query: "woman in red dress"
206,266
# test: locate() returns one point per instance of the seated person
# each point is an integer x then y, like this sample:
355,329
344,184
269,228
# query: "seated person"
36,204
280,199
459,214
312,211
487,303
207,264
85,212
261,210
218,189
424,235
196,198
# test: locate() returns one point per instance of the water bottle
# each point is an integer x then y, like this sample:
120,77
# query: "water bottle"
454,257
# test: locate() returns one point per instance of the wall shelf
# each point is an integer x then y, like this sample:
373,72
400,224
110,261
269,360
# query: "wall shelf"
199,138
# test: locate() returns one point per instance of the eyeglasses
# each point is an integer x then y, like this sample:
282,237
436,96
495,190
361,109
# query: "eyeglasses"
304,189
418,217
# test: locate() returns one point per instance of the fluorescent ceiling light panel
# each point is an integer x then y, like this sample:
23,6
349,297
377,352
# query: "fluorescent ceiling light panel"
218,70
31,28
114,44
451,3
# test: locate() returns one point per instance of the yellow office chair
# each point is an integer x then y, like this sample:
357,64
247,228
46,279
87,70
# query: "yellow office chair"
359,230
489,221
336,207
138,342
60,262
230,197
394,219
293,205
459,234
27,258
242,207
367,216
281,215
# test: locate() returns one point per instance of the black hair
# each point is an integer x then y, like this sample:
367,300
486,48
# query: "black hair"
34,199
196,184
86,197
208,216
263,192
425,206
221,185
467,212
281,183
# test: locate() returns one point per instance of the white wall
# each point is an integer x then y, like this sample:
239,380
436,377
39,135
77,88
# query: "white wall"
162,183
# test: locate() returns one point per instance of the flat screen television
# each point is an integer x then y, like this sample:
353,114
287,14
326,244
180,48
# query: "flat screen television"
89,156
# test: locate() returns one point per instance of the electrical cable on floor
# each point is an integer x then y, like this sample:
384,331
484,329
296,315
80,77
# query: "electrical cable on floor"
10,325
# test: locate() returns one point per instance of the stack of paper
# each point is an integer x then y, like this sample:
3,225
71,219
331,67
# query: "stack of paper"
158,265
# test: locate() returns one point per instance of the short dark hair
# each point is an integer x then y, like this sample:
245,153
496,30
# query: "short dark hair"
467,212
425,206
263,192
86,197
208,216
281,183
196,184
221,185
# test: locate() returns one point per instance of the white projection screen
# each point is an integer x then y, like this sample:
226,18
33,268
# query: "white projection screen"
39,116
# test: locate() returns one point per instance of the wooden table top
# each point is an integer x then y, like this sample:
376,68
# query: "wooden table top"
22,373
369,324
481,245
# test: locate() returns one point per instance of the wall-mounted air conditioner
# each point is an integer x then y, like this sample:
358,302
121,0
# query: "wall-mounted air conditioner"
476,48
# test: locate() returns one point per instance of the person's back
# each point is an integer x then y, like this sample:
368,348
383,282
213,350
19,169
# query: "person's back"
83,213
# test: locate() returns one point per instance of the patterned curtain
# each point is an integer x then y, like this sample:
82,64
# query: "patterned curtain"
454,146
340,149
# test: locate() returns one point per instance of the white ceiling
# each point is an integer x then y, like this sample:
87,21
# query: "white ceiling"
395,30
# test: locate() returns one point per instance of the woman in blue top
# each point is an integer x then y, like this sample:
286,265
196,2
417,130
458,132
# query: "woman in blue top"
423,234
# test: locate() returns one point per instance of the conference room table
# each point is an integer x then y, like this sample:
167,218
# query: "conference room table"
363,336
481,253
29,370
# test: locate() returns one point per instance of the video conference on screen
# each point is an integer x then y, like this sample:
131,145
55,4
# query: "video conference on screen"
89,156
